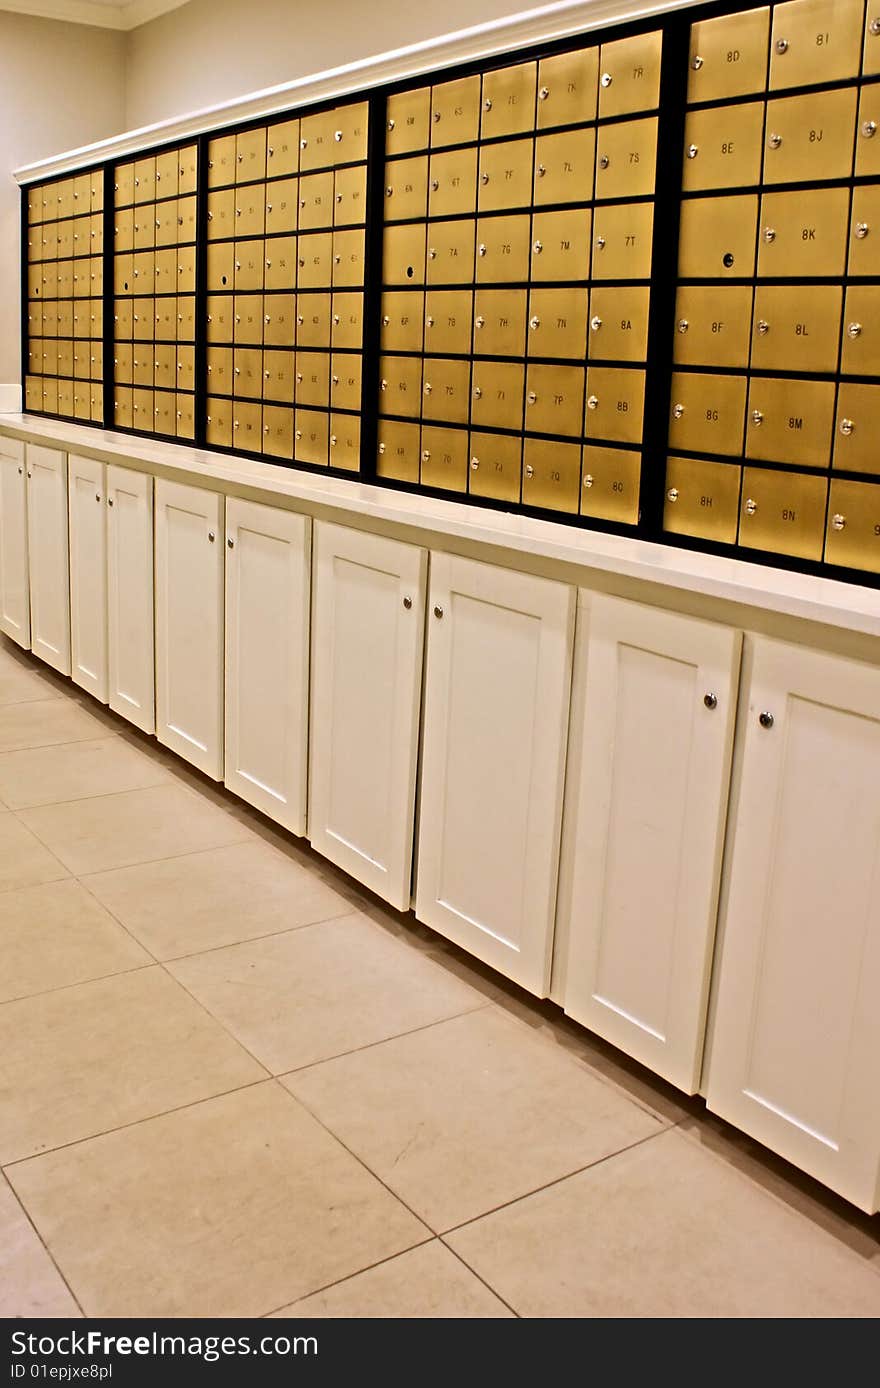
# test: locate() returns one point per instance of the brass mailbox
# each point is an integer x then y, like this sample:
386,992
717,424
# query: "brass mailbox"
65,398
143,410
317,146
64,363
50,357
350,196
350,132
564,165
783,512
728,55
626,159
166,174
280,316
868,140
702,499
247,426
186,318
717,237
860,355
248,319
64,240
554,399
408,121
712,325
163,366
871,51
50,397
790,421
495,466
508,106
96,399
455,112
184,367
551,475
557,323
619,323
96,362
347,320
561,245
249,267
250,210
315,260
796,331
280,262
804,233
142,364
311,437
166,225
810,137
815,41
452,183
403,317
312,379
187,166
186,219
722,147
444,460
33,393
278,371
123,275
450,252
403,254
505,179
96,233
278,431
448,314
400,386
348,258
221,214
610,484
221,266
313,320
282,149
568,86
282,205
499,322
707,413
615,404
165,413
503,245
858,428
166,319
345,441
446,388
497,395
35,320
630,74
143,317
345,381
852,537
247,372
145,179
219,423
122,408
864,229
398,451
316,200
122,319
406,188
622,241
250,155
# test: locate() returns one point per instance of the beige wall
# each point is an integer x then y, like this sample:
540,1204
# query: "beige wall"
61,85
214,50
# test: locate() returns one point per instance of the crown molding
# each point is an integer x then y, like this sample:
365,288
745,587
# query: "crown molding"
559,21
122,16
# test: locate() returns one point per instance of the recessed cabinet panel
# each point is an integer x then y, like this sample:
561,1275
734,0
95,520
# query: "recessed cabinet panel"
87,521
130,604
48,554
728,55
15,617
783,512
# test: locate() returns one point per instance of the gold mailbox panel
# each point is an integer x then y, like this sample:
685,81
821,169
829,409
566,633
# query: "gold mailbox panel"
282,149
122,409
250,210
505,179
348,258
626,159
871,52
497,395
450,252
815,41
312,379
144,179
406,188
220,376
790,421
630,75
452,183
311,437
448,315
408,121
250,155
702,499
564,165
557,323
783,512
220,318
619,323
568,88
350,196
561,245
398,449
166,174
221,214
282,199
810,137
499,322
403,254
858,428
247,372
852,538
551,475
219,423
796,329
345,381
347,320
868,141
278,431
728,55
864,230
248,319
622,241
508,101
313,320
400,386
503,249
708,413
249,267
317,146
712,325
281,262
722,147
280,317
315,260
446,388
495,468
345,441
803,234
278,375
554,400
444,461
316,200
611,484
165,413
615,404
350,132
860,355
455,112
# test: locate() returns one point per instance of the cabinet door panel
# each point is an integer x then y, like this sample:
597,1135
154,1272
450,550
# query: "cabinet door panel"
48,556
367,634
649,773
267,659
87,520
130,608
496,711
15,599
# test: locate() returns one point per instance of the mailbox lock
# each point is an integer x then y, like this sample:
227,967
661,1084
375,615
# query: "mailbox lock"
532,397
600,243
428,387
595,323
869,129
588,480
432,254
385,320
678,411
769,234
847,426
478,392
751,506
475,464
389,192
381,448
862,230
672,494
757,418
592,402
487,104
696,62
479,321
534,322
838,522
683,325
391,123
337,135
332,440
874,27
774,140
435,116
426,455
766,719
692,151
781,45
383,384
484,178
537,247
438,610
710,700
541,171
482,248
429,321
604,161
607,79
763,327
407,602
435,184
545,91
529,470
854,330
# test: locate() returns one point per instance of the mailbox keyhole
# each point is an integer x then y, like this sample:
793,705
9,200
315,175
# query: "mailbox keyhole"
409,272
224,279
727,260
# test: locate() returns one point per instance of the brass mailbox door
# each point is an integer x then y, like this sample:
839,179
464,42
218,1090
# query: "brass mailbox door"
185,427
96,400
503,249
864,230
250,155
143,410
123,363
500,322
311,437
280,318
561,245
497,396
65,398
495,468
185,368
712,325
702,499
64,240
312,320
315,260
280,262
316,143
444,461
852,539
403,254
408,121
163,366
219,423
722,147
143,364
345,441
622,241
406,188
144,272
446,388
448,314
350,132
803,233
783,512
790,421
316,200
312,379
143,320
728,55
122,409
505,175
868,141
186,319
96,233
123,320
455,112
278,370
619,323
250,210
347,320
282,205
145,179
166,319
350,196
64,364
508,101
564,165
450,252
400,386
626,159
282,149
186,269
858,428
186,219
345,381
187,166
248,266
452,190
35,320
403,317
248,316
551,475
278,431
50,397
123,186
794,330
611,483
221,214
871,52
568,88
247,426
717,237
558,323
708,413
166,174
348,258
398,449
220,318
815,41
554,399
165,413
247,372
860,355
615,404
166,224
810,137
630,74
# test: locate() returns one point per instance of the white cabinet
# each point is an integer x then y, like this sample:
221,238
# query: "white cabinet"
189,624
493,759
649,768
48,555
795,1049
367,635
130,595
87,520
15,600
267,659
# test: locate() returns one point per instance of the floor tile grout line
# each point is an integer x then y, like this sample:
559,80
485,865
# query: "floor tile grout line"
383,1040
480,1278
79,983
43,1244
349,1276
63,876
17,810
252,939
119,867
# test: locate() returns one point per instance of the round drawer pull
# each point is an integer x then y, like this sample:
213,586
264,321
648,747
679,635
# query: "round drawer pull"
766,719
710,700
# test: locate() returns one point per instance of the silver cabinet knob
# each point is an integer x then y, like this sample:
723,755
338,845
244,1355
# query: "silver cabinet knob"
110,501
869,129
211,536
592,402
97,496
407,602
475,464
606,79
769,234
588,480
774,140
751,506
710,700
230,542
438,610
766,719
595,323
696,62
604,161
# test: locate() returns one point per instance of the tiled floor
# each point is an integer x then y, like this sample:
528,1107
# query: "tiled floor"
231,1083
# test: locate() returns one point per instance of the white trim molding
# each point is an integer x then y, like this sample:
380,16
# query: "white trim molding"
128,14
10,399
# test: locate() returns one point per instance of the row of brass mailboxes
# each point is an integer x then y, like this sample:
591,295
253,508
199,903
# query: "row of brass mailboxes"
171,223
67,279
318,141
156,412
332,198
75,236
786,420
156,176
171,319
155,272
280,320
321,379
67,319
82,359
67,197
73,399
301,435
312,261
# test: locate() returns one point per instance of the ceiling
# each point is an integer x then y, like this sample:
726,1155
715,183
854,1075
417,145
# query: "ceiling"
106,14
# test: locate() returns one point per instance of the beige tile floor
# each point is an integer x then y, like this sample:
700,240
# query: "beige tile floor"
233,1084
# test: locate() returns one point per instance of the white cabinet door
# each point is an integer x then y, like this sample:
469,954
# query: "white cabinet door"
130,595
267,659
795,1047
367,636
646,803
15,599
189,624
48,555
496,714
87,520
